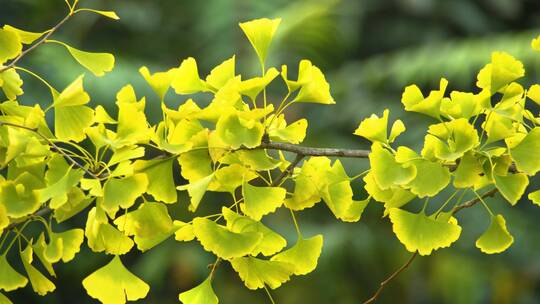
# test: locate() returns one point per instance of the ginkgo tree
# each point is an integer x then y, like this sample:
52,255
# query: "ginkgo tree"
240,144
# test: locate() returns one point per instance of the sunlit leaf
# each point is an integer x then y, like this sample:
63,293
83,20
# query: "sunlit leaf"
200,294
185,79
196,191
496,238
511,186
521,153
40,283
259,201
303,255
114,284
11,83
11,45
97,63
10,278
257,273
260,33
116,196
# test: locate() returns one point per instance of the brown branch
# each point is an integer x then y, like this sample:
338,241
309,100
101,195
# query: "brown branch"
289,170
310,151
390,278
473,201
35,45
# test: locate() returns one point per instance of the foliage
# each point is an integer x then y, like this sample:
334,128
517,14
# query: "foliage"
235,144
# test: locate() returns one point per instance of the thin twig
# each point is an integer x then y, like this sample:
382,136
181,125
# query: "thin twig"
35,45
289,170
390,278
473,201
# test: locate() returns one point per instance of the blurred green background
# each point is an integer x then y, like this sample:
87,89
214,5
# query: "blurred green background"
369,50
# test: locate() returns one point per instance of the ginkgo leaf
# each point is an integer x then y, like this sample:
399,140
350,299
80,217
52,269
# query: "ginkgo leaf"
304,75
236,131
260,33
58,190
293,133
200,294
223,242
40,283
339,198
97,63
521,153
450,140
502,70
219,75
308,183
414,101
316,89
303,255
18,197
496,238
102,236
386,171
150,224
431,178
108,14
4,299
185,79
196,191
534,93
114,284
259,201
11,45
39,250
270,243
535,197
253,86
375,128
254,159
159,173
468,171
159,82
421,233
460,105
10,278
535,44
116,196
11,84
4,219
71,242
256,273
185,231
229,178
511,186
25,36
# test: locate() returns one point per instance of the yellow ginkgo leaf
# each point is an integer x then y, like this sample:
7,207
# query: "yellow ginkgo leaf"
25,36
10,278
11,83
303,255
256,273
40,283
185,79
219,75
535,43
114,284
11,45
97,63
496,238
201,294
259,201
260,33
159,82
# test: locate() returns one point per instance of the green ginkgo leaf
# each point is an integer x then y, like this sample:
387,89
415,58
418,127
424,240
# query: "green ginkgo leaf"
114,284
260,33
303,255
511,186
293,133
116,196
254,159
375,128
223,242
196,191
200,294
259,201
229,178
419,232
236,131
308,183
270,243
185,79
535,197
496,238
394,197
4,219
18,197
339,198
159,173
521,153
11,45
58,190
97,63
502,70
150,224
219,75
159,82
75,203
10,278
185,231
431,178
256,273
460,105
414,100
39,250
25,36
468,172
40,283
11,84
386,171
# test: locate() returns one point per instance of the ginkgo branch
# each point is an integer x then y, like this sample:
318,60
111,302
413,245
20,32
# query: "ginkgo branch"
38,43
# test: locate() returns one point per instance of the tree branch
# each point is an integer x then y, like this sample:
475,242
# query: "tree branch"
310,151
473,201
289,170
35,45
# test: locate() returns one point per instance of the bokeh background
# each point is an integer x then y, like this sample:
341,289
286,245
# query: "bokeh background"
370,50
